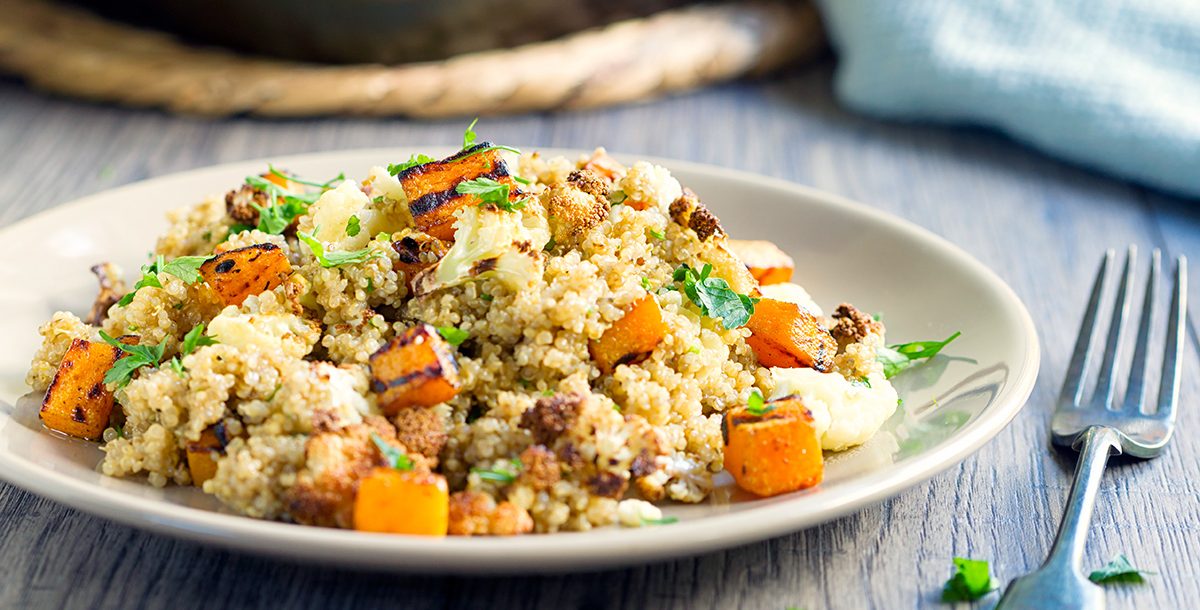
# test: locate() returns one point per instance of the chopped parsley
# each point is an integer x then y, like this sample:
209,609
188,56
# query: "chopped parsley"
617,198
547,392
972,580
284,206
193,339
452,335
756,405
525,181
328,184
1119,570
646,284
395,458
469,134
549,244
490,191
714,297
136,356
370,285
487,297
668,520
500,475
413,161
896,358
186,268
659,235
353,227
333,259
863,381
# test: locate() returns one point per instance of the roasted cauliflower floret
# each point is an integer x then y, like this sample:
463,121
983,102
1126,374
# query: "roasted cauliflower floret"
576,206
477,514
489,242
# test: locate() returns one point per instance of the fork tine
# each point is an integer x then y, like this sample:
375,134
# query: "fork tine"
1168,391
1135,393
1116,330
1072,390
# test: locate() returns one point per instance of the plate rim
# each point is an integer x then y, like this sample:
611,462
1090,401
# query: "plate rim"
559,552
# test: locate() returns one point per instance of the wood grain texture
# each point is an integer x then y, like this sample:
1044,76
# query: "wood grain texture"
1040,224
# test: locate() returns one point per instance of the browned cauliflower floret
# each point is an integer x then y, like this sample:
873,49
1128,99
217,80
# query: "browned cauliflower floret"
850,325
576,206
477,514
422,430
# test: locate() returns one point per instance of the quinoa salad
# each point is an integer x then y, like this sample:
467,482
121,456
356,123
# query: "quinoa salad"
494,343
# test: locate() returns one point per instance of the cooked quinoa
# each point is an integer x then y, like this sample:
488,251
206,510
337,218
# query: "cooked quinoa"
290,386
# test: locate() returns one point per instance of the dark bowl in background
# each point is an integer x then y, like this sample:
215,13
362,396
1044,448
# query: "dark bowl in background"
383,31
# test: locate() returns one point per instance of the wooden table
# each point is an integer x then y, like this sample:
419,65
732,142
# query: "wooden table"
1039,223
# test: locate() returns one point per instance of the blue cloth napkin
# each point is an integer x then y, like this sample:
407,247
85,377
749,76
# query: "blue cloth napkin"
1111,84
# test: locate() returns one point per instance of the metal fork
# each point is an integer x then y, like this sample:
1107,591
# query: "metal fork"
1100,425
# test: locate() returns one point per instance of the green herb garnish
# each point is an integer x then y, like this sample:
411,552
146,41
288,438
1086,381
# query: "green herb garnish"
195,338
395,458
413,161
617,198
490,191
500,475
658,234
896,358
1119,570
972,580
333,259
452,335
549,244
668,520
352,226
487,297
469,134
525,181
328,184
864,380
646,284
756,405
136,357
714,297
186,268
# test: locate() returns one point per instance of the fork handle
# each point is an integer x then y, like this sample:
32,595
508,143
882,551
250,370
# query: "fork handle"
1097,442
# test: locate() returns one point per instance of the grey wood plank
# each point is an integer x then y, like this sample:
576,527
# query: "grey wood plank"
1039,223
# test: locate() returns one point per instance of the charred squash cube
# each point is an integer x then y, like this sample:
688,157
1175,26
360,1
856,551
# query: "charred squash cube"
785,335
415,369
774,450
202,455
766,261
237,274
432,188
78,403
632,338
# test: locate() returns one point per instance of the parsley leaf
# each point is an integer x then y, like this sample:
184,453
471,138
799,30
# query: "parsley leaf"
972,580
353,227
395,458
333,259
525,181
284,206
659,235
668,520
714,297
186,268
136,357
149,279
646,284
469,135
195,338
1119,570
896,358
756,405
328,184
489,191
413,161
176,365
500,475
617,198
452,335
864,380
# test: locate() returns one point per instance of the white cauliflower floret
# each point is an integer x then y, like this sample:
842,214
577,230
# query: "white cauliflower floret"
489,242
845,413
283,332
792,293
330,217
651,184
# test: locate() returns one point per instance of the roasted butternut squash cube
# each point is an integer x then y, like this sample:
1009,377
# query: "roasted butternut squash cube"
766,262
415,369
602,163
632,338
774,452
202,455
394,501
432,188
237,274
786,335
78,403
417,252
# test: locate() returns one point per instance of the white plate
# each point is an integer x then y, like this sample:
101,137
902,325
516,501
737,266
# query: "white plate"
925,288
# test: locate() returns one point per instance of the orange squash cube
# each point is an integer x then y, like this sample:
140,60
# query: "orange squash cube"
415,369
786,335
78,403
766,262
393,501
202,455
775,452
432,188
632,338
237,274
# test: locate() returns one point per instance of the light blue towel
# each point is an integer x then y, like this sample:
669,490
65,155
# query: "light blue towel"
1112,84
